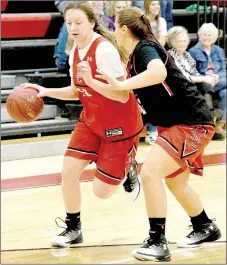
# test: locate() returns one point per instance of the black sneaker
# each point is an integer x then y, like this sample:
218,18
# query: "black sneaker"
218,137
156,249
132,184
205,233
68,236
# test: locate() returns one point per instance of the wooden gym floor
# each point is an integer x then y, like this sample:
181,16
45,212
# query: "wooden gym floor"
111,228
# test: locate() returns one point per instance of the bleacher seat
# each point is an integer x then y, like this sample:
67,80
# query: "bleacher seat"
49,112
11,6
33,25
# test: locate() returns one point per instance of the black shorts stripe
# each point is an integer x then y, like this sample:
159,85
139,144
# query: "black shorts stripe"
104,173
82,151
174,147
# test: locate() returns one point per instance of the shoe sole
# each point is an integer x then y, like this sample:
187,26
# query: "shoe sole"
138,191
144,257
65,245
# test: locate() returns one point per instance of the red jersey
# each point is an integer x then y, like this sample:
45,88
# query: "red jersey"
111,120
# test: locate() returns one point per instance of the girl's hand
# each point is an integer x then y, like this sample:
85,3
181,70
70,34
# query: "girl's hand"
42,90
85,70
115,84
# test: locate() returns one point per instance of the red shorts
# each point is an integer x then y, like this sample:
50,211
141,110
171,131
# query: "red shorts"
113,159
185,144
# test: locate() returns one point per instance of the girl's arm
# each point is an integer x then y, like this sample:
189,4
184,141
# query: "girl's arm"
155,74
64,93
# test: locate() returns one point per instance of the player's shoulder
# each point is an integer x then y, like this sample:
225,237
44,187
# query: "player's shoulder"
106,47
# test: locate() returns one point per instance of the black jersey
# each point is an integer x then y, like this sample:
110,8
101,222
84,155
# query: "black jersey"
175,101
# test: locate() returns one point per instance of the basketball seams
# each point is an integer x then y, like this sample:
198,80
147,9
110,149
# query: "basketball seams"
15,114
19,107
30,105
22,113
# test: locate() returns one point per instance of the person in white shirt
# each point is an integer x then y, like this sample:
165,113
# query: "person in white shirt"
158,23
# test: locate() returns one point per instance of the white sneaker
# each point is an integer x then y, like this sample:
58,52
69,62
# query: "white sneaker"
68,236
155,249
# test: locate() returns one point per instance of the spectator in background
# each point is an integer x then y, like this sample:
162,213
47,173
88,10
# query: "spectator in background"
113,9
139,4
158,24
129,3
178,41
166,12
61,58
98,7
210,60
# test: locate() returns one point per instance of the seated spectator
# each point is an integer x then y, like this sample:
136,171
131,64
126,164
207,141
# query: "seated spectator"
61,58
98,6
166,12
178,41
210,60
129,3
158,24
139,4
114,8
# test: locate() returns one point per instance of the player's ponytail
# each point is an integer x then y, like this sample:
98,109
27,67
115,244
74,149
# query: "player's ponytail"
109,35
137,22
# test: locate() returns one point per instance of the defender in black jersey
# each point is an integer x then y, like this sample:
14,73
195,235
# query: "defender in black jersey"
185,127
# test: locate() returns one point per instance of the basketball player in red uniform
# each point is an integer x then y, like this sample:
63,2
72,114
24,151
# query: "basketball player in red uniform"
171,102
109,126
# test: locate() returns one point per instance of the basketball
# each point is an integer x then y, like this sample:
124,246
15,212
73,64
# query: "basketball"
23,105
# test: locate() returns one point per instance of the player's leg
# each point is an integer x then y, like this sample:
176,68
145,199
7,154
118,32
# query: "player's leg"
168,158
185,195
204,230
82,149
157,165
116,160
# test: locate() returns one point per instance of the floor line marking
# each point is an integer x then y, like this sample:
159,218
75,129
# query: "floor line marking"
172,252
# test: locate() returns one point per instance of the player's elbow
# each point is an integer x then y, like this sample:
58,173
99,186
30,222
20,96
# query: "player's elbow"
161,73
157,70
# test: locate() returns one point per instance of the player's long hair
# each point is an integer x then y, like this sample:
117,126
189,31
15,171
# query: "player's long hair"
137,22
90,13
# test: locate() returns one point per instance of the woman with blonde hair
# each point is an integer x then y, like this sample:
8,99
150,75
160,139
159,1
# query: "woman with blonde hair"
113,9
110,122
158,24
185,127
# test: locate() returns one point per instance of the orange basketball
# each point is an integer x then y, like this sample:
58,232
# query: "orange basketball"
23,105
